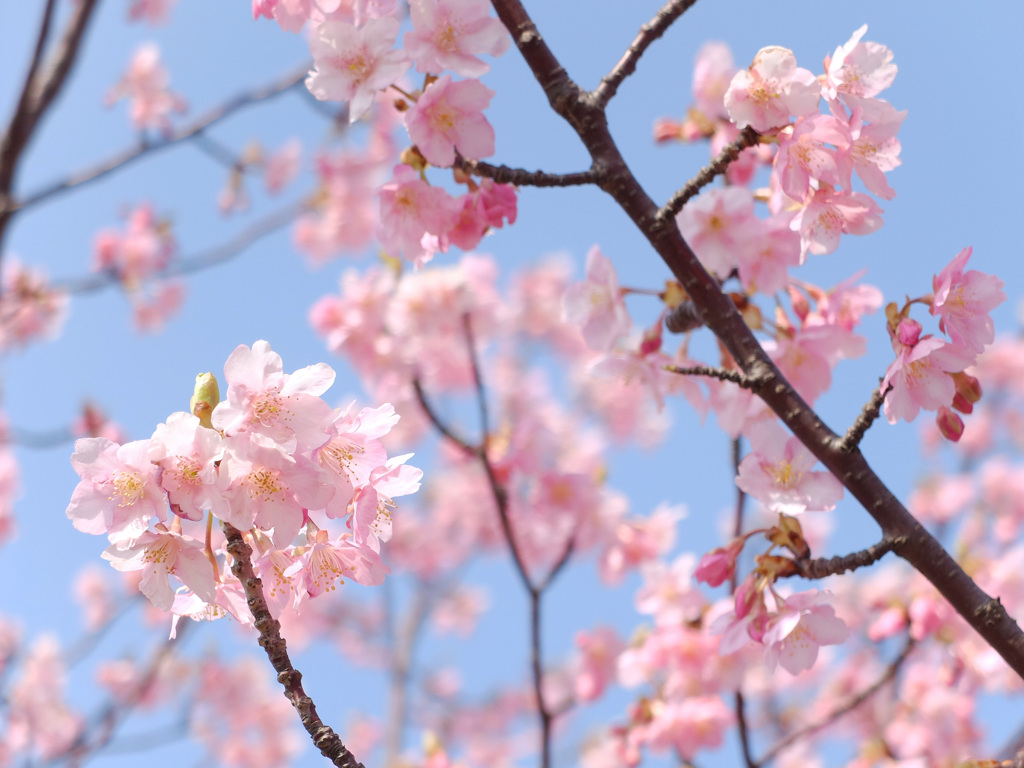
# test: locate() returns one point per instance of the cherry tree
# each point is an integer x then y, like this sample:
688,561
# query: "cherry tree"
642,476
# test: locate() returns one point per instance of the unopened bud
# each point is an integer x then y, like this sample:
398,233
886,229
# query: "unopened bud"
950,425
205,398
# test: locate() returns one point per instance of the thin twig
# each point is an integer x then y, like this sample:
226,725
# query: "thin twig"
403,646
199,261
502,174
648,33
748,137
324,738
821,567
864,420
725,374
849,706
478,382
739,706
128,156
440,424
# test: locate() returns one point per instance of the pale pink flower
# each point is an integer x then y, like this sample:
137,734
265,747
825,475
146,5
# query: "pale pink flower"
137,254
638,541
282,166
596,305
687,725
415,217
598,661
154,307
859,70
721,228
119,492
154,12
188,454
963,302
875,150
764,264
282,411
39,720
777,472
484,209
324,562
29,308
458,610
94,594
771,90
145,85
448,34
804,154
804,623
162,553
713,70
352,64
920,378
449,116
669,593
828,214
373,503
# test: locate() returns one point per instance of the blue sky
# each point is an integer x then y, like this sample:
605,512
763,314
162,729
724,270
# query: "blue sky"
958,186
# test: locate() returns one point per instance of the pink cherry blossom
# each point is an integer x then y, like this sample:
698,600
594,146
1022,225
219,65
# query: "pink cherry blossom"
448,116
777,472
804,154
39,719
447,34
875,150
137,254
771,90
187,454
721,228
713,70
764,265
828,214
599,651
282,166
154,12
161,554
804,623
860,70
145,85
920,378
963,302
352,64
415,217
596,305
29,308
669,592
326,561
119,493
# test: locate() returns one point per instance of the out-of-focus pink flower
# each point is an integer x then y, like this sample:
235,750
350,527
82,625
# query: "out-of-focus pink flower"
721,228
448,34
145,85
29,308
415,218
596,305
282,166
154,12
771,90
713,70
598,661
803,623
859,70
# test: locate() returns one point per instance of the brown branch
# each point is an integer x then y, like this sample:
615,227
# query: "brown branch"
922,550
739,705
863,421
725,374
748,137
520,177
42,85
821,567
849,706
324,738
402,650
130,155
648,33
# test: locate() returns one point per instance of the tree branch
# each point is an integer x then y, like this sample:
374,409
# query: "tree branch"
849,706
922,550
724,374
127,157
42,84
821,567
648,33
748,138
324,738
502,174
864,420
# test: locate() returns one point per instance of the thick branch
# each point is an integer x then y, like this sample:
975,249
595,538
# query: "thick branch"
648,33
324,738
718,312
42,84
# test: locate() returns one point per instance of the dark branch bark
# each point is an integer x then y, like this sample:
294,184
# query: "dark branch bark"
863,421
583,112
502,174
324,738
648,33
821,567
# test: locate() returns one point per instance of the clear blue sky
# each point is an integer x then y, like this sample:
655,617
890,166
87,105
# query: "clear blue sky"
959,185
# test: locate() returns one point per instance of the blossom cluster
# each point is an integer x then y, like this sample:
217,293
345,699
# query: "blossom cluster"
271,460
354,61
811,200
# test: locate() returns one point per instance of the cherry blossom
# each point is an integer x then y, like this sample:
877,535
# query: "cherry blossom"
448,34
771,90
804,623
963,302
596,305
145,85
352,64
448,116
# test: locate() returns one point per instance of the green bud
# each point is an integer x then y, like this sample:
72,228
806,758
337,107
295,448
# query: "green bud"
205,398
